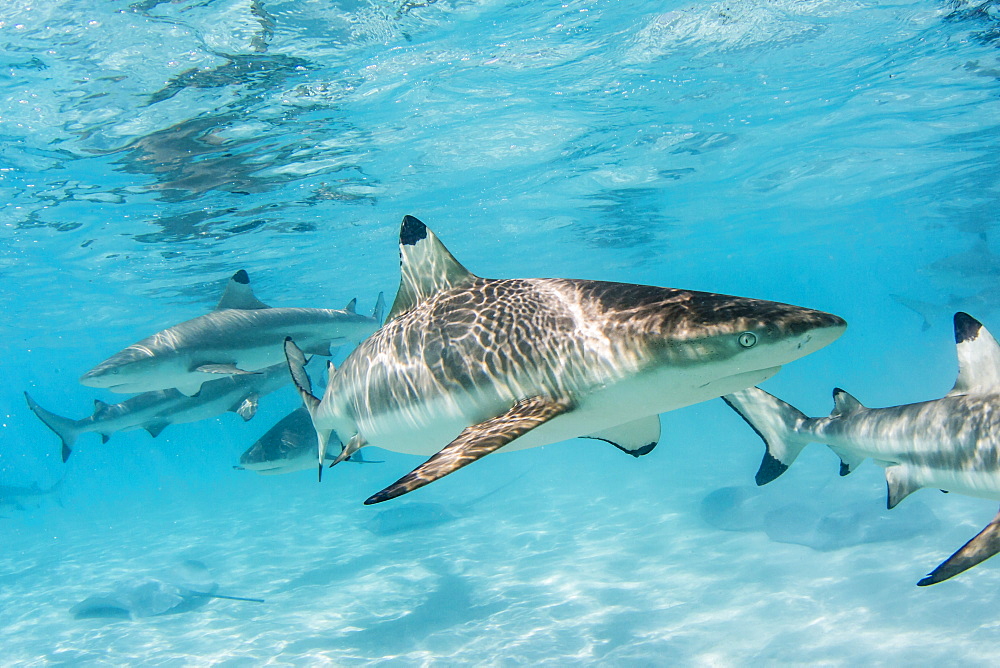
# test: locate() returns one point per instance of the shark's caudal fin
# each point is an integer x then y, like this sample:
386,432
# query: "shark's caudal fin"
426,267
297,367
776,423
474,442
978,358
66,429
985,544
239,294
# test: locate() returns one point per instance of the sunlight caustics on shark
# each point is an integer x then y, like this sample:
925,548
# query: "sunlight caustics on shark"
952,443
154,411
241,336
466,365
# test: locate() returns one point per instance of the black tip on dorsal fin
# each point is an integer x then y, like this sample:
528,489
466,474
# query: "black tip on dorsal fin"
411,231
966,327
242,277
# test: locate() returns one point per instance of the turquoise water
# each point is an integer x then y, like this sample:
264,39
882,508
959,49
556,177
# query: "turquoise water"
832,154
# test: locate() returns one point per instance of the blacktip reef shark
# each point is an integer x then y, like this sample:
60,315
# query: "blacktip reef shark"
290,446
241,336
466,365
154,411
952,443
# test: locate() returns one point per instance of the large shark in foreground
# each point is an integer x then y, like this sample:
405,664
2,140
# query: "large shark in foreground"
154,411
466,365
952,443
241,336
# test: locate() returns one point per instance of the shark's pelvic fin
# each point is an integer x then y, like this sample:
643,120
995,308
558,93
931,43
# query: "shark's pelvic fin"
776,424
978,357
985,544
239,294
426,267
353,445
224,369
297,367
247,407
66,429
636,438
379,311
475,442
844,404
901,483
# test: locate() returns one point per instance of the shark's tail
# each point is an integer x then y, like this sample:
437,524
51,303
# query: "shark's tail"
66,429
777,423
297,366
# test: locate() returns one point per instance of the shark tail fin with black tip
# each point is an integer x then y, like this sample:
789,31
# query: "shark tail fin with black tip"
983,546
777,424
297,367
66,429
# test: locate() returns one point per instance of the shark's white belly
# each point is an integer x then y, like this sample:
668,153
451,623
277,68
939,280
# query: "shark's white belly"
426,428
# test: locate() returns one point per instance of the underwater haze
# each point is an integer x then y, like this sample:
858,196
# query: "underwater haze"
836,154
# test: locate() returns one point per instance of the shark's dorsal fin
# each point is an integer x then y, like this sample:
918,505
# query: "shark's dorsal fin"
352,306
978,358
379,311
239,294
844,404
99,407
426,267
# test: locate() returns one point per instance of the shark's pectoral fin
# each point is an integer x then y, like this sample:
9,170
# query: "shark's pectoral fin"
246,408
156,428
636,438
224,369
985,544
476,441
901,482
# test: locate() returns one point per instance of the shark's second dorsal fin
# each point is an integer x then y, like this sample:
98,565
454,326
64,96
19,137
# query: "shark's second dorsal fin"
978,357
239,294
426,267
844,404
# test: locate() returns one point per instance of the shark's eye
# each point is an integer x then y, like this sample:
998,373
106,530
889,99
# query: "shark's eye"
748,339
115,371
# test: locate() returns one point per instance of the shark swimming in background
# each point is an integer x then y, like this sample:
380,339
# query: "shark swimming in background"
154,411
952,443
290,446
465,366
16,496
241,336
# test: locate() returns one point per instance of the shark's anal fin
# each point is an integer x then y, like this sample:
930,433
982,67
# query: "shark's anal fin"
476,441
155,428
225,369
978,358
985,544
239,294
901,483
636,438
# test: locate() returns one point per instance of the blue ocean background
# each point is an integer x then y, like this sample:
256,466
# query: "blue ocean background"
835,154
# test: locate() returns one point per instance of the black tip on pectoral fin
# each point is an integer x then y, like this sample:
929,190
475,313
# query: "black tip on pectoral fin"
66,452
319,478
770,468
984,545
